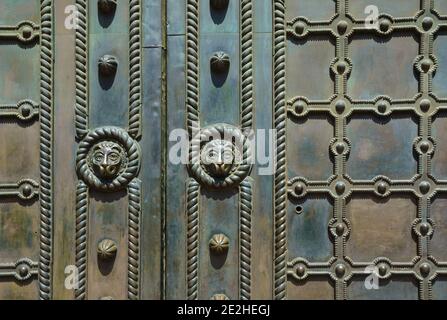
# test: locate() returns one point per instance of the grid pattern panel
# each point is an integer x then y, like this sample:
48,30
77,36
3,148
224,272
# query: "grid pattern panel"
344,29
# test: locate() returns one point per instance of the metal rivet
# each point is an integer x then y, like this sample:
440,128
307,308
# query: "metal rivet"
107,6
301,271
107,249
426,65
425,146
300,27
219,4
23,270
424,187
340,106
219,243
340,187
425,269
300,106
427,23
381,187
424,228
27,190
27,32
383,269
425,105
340,229
299,188
384,25
382,106
342,26
341,67
107,65
220,62
219,296
340,270
340,147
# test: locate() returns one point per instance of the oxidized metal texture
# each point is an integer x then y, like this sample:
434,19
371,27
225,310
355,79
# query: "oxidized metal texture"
340,186
46,150
280,116
217,175
108,158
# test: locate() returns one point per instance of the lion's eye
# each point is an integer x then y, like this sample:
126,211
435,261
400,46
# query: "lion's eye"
98,157
114,156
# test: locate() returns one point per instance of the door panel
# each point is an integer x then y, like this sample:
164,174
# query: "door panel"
362,193
96,96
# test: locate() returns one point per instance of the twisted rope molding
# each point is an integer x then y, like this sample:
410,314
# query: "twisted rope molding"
192,67
280,115
81,60
46,156
81,238
192,241
135,69
133,266
245,211
247,99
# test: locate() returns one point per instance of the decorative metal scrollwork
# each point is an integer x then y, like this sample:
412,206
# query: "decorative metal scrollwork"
107,249
108,159
220,156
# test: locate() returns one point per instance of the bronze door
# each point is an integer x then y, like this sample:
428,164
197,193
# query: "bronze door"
325,177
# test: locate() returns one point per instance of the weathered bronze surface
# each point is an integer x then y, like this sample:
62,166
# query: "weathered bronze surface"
92,207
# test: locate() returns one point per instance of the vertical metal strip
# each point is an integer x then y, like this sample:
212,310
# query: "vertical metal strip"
135,68
245,213
82,205
280,195
133,268
81,60
46,151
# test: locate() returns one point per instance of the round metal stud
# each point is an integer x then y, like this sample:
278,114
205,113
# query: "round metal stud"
219,4
425,269
382,106
340,147
382,187
425,105
220,62
426,65
107,65
342,26
340,229
340,270
23,270
299,188
219,243
106,298
107,6
385,25
425,146
107,249
340,187
427,23
300,270
300,28
424,187
340,106
27,32
424,228
383,269
27,190
341,67
300,106
219,296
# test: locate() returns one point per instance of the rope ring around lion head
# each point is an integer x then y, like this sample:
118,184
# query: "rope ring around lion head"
220,156
108,159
